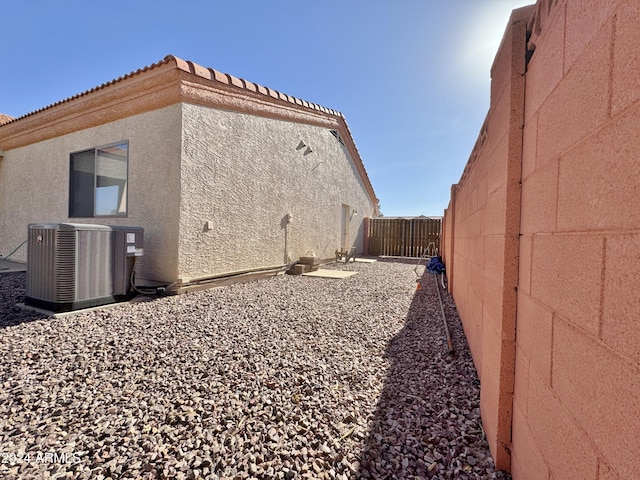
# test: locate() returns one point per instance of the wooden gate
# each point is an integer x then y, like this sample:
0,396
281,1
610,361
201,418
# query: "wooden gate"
404,237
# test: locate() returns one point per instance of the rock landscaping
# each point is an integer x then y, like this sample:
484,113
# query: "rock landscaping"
287,377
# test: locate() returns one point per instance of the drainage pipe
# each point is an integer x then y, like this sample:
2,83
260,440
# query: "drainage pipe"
209,281
444,318
212,280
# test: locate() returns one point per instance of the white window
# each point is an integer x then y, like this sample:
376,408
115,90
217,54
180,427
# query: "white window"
98,181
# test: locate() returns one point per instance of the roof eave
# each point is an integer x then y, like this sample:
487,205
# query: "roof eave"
141,91
165,83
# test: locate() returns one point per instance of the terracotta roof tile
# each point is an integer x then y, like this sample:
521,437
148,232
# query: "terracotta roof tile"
181,64
250,86
219,76
235,81
211,75
199,70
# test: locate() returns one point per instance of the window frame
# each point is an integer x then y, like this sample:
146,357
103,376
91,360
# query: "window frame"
95,181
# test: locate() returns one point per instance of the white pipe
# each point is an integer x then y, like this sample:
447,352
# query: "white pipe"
444,317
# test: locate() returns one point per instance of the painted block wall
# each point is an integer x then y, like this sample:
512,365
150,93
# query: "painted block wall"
577,399
245,173
481,240
575,368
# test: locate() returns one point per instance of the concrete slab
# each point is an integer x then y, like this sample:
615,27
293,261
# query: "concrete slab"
7,266
48,313
323,273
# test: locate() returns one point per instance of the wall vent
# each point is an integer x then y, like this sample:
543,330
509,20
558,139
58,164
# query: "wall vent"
336,134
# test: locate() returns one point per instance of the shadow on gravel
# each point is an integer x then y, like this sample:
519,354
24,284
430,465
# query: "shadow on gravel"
12,290
427,423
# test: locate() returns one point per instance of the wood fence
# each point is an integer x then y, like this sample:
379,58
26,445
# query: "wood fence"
404,237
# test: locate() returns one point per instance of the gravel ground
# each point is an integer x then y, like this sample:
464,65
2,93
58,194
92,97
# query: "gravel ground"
286,377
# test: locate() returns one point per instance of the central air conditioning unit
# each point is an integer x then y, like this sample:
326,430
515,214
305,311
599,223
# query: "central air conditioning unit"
72,266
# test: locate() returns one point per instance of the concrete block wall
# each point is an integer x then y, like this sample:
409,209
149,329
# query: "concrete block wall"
569,304
481,239
577,371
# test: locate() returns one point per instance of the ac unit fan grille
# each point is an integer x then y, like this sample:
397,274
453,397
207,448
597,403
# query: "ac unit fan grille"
66,266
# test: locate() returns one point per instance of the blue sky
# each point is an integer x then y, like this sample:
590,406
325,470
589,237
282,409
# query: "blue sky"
411,76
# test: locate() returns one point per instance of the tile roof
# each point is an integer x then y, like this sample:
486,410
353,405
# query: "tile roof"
198,71
225,78
226,81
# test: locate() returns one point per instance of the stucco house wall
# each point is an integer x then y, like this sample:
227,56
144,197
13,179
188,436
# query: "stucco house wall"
34,185
573,378
245,174
217,175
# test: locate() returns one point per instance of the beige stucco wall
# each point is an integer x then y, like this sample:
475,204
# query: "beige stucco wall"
244,174
34,185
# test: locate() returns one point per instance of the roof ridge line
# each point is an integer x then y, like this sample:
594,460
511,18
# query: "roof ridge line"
228,79
93,89
199,71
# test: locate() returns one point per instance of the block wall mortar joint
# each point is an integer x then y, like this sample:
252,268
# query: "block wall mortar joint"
603,272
